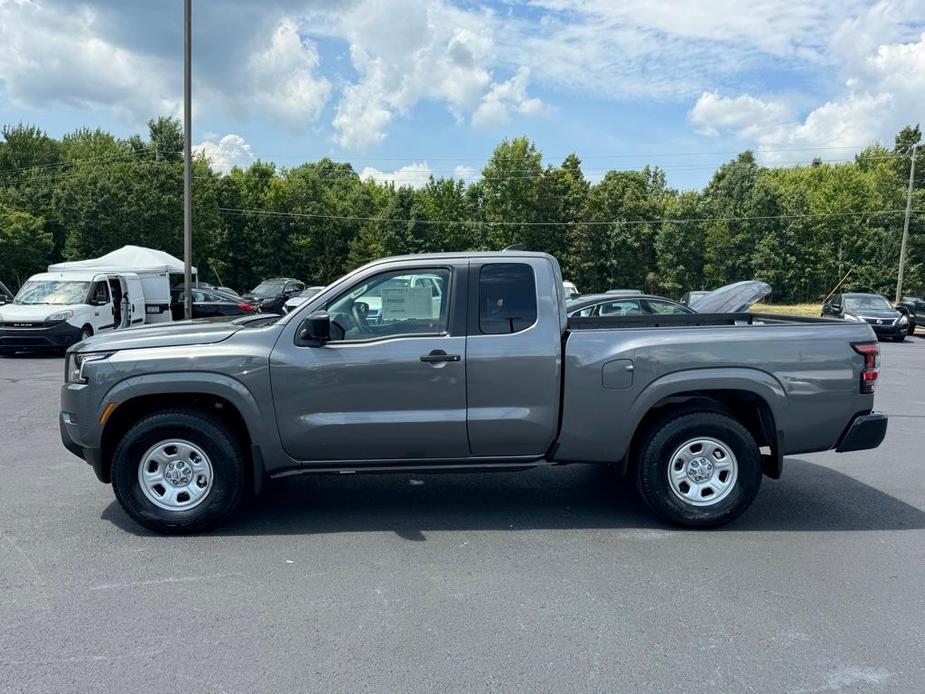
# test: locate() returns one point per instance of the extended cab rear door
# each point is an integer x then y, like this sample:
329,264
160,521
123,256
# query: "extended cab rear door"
513,356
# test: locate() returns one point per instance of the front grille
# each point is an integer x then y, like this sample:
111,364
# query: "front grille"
21,324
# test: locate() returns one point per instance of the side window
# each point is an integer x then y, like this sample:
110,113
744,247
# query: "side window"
664,308
100,293
507,298
198,297
585,312
624,307
392,304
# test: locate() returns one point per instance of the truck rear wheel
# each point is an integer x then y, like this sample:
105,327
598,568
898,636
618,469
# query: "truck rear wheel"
179,471
699,470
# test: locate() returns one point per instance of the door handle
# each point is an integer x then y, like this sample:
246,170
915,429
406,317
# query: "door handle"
438,355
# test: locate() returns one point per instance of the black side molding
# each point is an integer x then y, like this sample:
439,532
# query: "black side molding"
866,431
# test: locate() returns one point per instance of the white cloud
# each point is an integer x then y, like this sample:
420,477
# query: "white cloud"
884,89
408,51
125,57
465,173
745,114
50,58
226,152
505,97
414,175
417,174
484,62
281,78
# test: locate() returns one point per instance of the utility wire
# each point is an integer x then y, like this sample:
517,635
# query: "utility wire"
618,222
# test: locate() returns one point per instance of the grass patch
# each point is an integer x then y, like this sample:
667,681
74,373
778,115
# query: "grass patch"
792,310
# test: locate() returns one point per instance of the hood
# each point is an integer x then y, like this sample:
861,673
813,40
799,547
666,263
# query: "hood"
879,314
202,331
732,298
34,313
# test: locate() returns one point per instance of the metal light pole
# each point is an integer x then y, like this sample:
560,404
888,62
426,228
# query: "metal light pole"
905,241
188,160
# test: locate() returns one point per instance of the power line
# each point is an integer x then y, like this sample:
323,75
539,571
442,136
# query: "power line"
670,220
757,150
126,155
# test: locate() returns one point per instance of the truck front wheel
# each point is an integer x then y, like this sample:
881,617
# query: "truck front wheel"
179,471
699,470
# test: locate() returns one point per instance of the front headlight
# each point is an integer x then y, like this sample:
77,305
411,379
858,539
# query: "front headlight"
851,316
903,320
59,316
76,361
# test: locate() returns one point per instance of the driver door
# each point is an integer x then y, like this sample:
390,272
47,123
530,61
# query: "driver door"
391,383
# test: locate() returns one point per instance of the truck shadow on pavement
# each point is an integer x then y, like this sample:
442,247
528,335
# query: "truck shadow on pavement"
809,498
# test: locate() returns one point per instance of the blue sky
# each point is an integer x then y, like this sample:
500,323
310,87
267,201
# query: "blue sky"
406,88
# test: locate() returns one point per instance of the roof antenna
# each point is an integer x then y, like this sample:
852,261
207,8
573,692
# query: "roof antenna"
515,247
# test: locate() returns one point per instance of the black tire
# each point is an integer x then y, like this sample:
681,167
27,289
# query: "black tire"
655,459
213,437
899,338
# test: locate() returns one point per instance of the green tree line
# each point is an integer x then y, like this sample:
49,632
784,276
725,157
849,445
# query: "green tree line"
800,228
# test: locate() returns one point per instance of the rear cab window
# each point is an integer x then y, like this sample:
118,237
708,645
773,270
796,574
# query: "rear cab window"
507,298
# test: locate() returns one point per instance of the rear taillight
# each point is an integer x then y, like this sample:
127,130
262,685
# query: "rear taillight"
246,307
871,353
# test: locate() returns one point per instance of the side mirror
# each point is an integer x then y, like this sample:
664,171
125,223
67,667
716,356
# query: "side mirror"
316,329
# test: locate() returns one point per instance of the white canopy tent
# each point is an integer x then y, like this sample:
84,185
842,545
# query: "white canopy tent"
126,259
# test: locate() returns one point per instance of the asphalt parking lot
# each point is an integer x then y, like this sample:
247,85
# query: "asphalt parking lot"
548,580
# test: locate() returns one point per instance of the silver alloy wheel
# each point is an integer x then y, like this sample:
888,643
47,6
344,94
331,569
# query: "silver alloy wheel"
175,475
702,471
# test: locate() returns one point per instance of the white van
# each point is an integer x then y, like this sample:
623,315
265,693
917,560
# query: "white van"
57,309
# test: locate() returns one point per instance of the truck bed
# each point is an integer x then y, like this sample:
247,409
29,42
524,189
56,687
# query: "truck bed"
616,369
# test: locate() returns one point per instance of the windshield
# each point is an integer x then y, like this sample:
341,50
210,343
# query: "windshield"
52,292
269,288
867,303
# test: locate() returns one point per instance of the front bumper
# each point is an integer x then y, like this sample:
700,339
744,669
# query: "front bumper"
865,432
93,456
892,330
39,336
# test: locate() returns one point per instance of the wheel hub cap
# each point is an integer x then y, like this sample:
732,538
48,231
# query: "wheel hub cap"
699,470
175,475
702,471
178,473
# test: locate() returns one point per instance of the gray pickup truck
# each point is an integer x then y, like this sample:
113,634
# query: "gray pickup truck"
463,362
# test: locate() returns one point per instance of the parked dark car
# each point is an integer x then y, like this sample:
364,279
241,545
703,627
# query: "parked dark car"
271,294
915,311
210,303
610,305
873,309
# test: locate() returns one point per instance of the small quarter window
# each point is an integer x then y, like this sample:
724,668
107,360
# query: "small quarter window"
507,298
